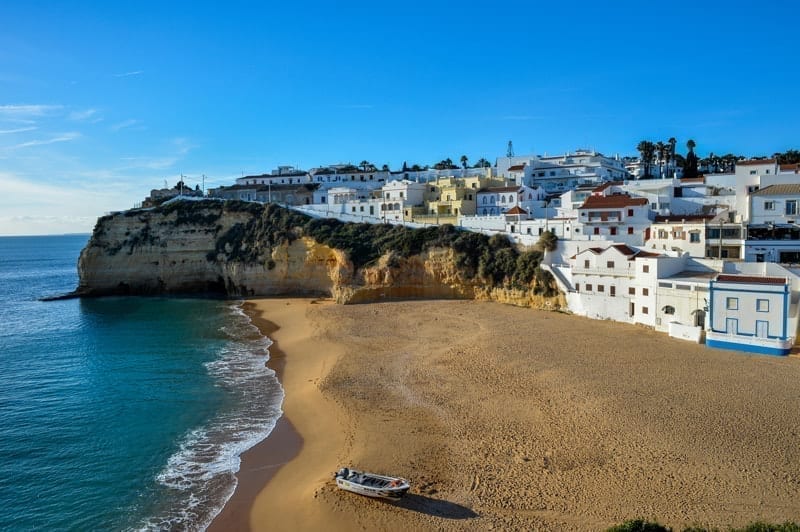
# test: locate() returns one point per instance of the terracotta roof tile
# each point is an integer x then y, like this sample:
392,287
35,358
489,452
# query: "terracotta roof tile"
516,168
516,209
604,202
749,279
753,162
779,190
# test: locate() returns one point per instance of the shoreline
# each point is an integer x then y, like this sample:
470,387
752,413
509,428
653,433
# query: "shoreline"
260,465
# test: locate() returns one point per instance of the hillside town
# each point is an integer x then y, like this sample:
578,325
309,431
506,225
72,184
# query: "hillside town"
708,257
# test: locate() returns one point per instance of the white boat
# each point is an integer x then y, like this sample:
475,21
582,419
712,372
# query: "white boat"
370,484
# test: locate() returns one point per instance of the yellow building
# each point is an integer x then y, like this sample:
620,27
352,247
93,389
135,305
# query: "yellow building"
447,198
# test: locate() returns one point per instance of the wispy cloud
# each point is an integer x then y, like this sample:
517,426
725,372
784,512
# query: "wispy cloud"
22,111
129,74
82,115
65,137
125,124
179,147
17,130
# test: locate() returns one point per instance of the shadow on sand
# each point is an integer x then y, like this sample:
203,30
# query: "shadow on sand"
435,507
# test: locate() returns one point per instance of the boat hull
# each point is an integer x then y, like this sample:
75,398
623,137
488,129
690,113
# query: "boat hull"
370,484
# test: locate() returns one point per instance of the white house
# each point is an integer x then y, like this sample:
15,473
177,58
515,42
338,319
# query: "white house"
618,217
604,285
404,191
497,200
753,313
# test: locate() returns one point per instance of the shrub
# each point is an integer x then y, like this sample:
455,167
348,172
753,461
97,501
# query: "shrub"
639,525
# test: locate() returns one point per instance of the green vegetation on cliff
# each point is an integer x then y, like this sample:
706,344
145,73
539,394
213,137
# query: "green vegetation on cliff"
491,260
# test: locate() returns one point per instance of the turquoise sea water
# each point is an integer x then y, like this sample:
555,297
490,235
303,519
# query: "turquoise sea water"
120,413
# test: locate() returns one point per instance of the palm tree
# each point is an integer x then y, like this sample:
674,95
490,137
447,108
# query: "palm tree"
464,160
690,167
647,150
364,164
482,163
671,142
660,153
385,168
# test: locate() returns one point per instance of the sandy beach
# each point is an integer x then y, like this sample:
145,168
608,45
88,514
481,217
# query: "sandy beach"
510,418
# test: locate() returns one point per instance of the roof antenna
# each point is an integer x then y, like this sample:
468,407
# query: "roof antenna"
510,151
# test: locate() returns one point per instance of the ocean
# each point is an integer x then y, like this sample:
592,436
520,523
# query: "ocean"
120,413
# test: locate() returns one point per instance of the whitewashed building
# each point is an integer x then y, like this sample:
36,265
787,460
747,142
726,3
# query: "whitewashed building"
753,313
617,217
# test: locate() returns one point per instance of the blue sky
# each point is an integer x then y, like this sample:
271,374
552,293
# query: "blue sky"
99,103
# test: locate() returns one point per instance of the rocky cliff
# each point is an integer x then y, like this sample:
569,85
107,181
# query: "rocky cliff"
241,249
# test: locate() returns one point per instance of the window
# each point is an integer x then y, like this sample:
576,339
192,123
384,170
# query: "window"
630,212
791,207
630,230
752,172
669,310
610,264
762,305
577,287
631,291
597,230
613,230
645,291
694,237
612,290
769,205
665,285
586,264
601,288
401,195
588,288
646,268
644,310
732,303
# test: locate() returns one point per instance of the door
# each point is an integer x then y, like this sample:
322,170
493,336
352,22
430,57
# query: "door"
762,329
731,325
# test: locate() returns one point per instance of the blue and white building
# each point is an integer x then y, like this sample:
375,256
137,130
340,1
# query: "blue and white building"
753,313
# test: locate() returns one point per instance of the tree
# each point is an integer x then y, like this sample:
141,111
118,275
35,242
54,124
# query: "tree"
365,164
788,157
690,167
671,142
405,167
482,163
548,241
464,160
415,168
661,153
385,168
647,151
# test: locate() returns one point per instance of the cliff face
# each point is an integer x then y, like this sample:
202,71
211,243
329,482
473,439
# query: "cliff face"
225,249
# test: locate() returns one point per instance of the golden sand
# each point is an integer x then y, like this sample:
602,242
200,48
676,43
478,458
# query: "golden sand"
514,419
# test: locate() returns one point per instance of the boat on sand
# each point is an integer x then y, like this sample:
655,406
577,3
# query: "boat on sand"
370,484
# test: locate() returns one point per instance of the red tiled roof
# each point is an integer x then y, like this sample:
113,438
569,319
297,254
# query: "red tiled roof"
516,168
753,162
605,202
790,167
750,279
701,179
516,210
